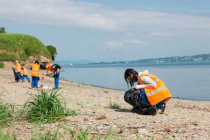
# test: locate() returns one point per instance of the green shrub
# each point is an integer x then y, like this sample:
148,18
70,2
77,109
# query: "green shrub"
23,56
52,50
1,64
2,30
114,105
7,57
6,113
46,107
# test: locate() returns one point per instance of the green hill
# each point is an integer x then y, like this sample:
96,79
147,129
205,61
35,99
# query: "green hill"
21,47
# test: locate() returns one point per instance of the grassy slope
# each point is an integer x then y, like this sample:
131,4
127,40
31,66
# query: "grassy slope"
20,46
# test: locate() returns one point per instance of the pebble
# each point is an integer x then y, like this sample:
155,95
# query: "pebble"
142,131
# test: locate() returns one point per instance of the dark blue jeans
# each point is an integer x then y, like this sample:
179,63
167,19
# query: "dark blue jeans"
57,80
19,77
34,82
27,78
145,100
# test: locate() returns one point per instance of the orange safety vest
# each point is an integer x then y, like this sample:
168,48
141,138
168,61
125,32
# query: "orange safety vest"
49,68
35,70
18,67
25,71
158,94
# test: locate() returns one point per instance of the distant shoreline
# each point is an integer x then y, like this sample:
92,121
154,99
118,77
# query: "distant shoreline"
138,64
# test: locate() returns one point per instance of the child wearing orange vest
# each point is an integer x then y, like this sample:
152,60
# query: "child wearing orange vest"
25,73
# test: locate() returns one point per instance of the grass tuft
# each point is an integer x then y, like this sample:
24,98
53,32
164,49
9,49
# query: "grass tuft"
1,65
6,113
114,105
7,136
46,107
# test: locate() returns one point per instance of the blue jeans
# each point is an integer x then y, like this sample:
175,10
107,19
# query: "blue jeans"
34,82
144,99
26,76
57,80
19,76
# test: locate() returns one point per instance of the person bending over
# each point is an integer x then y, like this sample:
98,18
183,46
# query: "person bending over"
18,69
152,92
55,70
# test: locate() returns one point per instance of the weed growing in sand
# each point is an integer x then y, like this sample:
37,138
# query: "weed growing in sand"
1,64
109,136
60,133
72,112
96,106
138,137
63,132
39,136
7,136
114,105
46,107
6,113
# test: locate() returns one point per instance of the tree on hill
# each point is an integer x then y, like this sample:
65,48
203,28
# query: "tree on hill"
2,30
52,51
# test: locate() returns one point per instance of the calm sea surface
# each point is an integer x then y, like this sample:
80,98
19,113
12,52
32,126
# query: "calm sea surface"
188,81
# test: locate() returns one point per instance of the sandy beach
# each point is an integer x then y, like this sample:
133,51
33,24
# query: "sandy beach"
183,119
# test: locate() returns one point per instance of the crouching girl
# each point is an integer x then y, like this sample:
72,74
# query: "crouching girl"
149,95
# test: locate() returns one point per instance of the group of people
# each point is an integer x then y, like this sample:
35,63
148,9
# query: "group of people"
22,73
149,95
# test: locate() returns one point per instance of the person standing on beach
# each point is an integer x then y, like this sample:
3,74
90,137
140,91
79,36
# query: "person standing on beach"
35,74
55,70
18,69
25,74
153,90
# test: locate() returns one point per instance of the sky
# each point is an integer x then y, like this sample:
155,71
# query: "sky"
112,30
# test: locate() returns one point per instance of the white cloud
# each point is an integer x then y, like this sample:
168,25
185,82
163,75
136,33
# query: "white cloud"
56,12
94,16
160,34
116,45
112,45
136,42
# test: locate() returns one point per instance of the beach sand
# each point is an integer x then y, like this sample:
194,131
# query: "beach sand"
183,119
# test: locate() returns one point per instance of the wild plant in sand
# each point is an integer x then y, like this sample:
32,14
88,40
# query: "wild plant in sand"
6,113
46,107
114,105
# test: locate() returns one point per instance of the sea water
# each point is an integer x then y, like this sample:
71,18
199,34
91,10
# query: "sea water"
187,81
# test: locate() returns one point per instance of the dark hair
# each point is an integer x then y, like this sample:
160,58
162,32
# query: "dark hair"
23,65
131,76
37,62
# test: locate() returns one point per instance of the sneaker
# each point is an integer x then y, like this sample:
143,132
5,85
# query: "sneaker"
162,109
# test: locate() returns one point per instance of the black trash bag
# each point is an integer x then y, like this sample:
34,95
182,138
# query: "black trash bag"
133,97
